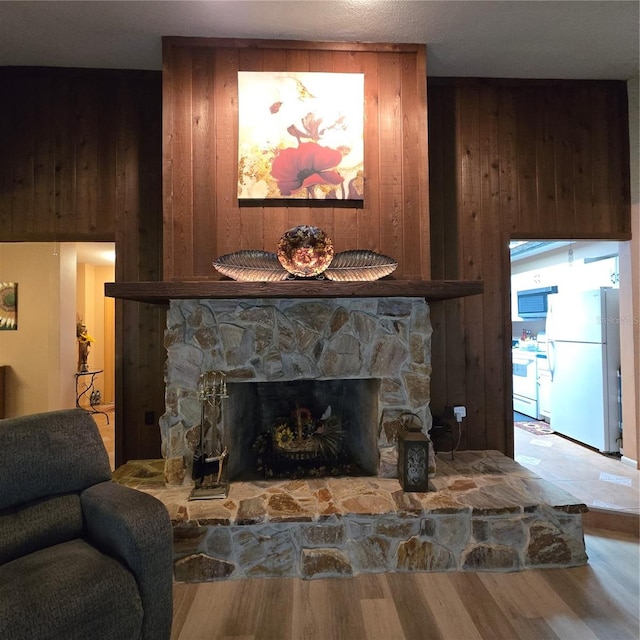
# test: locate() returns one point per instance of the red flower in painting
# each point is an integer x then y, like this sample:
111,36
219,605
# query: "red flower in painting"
304,166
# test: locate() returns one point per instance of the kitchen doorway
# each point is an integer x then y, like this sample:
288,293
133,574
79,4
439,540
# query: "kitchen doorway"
607,481
543,274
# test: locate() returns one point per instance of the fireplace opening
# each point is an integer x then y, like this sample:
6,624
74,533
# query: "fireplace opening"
302,428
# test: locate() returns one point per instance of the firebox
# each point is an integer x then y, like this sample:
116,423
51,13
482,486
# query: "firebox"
303,428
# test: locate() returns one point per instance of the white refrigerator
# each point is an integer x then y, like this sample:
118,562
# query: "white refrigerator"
583,350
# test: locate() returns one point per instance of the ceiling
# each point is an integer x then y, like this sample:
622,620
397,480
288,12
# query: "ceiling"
99,254
512,38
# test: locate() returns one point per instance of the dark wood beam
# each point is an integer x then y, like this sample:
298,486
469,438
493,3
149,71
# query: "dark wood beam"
162,292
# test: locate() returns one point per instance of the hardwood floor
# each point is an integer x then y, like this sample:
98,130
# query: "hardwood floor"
610,488
597,601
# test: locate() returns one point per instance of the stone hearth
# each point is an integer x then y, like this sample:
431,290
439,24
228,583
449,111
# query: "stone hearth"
485,513
383,342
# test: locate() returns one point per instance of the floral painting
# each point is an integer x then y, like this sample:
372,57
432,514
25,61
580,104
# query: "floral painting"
8,306
300,135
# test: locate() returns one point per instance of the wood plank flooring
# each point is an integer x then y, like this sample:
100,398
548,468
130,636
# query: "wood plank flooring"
600,481
610,488
597,601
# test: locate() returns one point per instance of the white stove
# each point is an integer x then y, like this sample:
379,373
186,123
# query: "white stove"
525,382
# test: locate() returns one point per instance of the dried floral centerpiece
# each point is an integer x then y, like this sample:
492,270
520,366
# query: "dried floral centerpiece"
302,445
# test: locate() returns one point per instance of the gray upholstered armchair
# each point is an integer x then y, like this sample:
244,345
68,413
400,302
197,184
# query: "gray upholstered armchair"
80,556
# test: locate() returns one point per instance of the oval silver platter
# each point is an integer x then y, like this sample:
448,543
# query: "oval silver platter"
359,265
251,266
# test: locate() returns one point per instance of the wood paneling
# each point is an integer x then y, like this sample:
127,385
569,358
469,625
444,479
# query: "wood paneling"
140,348
512,159
55,148
203,217
80,160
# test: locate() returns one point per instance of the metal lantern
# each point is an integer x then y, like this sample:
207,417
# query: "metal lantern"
413,455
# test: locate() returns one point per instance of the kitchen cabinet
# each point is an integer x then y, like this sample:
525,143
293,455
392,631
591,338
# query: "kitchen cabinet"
534,279
589,268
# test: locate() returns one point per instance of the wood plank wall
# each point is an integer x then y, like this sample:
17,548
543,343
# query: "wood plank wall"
484,158
203,217
58,158
512,159
80,160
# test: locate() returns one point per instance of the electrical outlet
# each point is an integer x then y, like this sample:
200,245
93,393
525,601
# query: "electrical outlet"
460,412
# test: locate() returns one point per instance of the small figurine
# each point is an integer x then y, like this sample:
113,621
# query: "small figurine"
84,342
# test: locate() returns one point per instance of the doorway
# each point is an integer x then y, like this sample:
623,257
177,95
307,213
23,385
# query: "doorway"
58,284
602,481
542,272
96,265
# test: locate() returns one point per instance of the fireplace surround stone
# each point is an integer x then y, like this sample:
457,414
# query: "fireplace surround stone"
280,340
485,512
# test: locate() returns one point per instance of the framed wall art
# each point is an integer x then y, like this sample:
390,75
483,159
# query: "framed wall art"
300,135
8,306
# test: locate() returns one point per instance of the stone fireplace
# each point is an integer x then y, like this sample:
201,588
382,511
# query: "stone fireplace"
369,358
366,358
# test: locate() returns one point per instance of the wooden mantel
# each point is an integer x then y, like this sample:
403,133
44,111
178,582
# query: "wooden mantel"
162,292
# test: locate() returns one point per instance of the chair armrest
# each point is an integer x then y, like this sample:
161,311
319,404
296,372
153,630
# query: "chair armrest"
136,528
